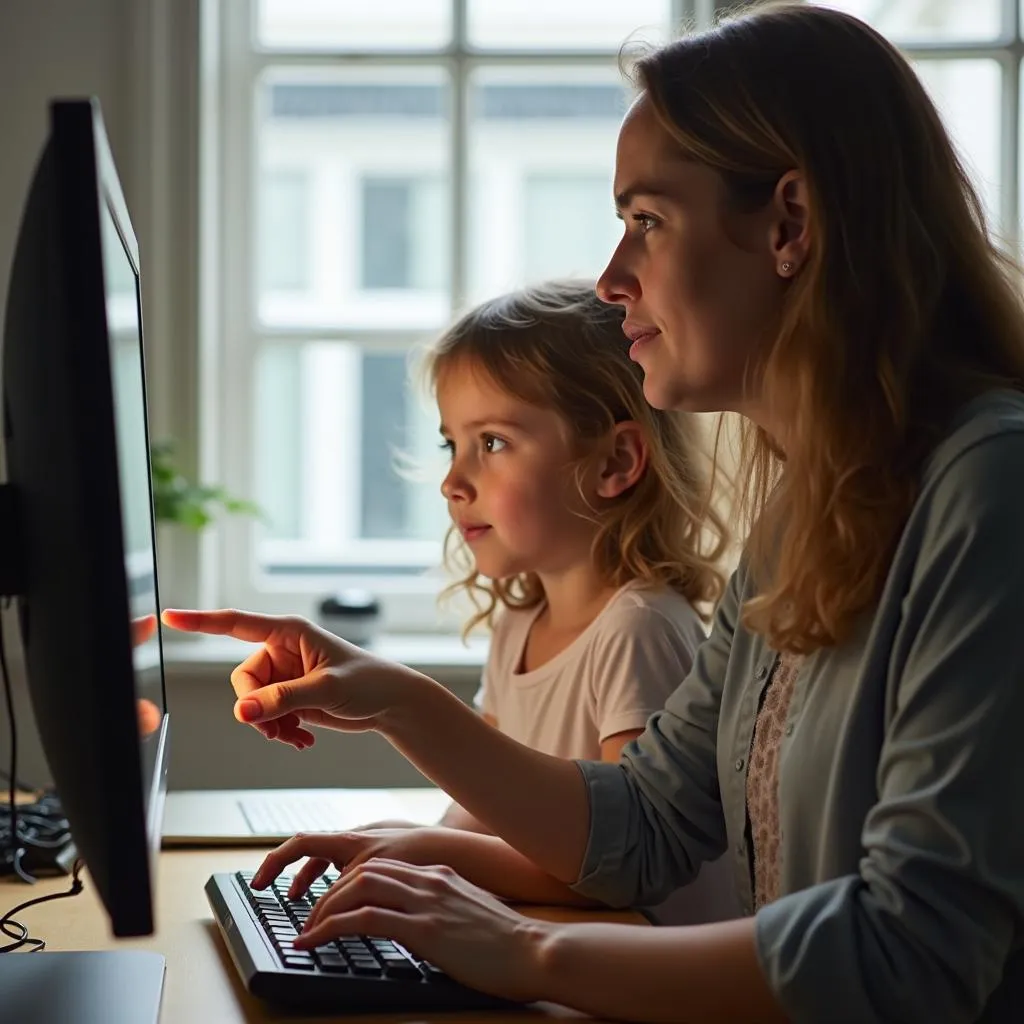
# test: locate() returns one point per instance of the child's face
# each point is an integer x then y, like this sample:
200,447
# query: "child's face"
510,489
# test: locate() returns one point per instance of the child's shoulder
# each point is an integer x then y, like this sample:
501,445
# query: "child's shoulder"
644,609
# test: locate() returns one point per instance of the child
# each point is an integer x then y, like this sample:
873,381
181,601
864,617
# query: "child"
580,517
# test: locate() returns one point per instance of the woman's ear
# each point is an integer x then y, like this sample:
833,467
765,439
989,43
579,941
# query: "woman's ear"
791,231
624,462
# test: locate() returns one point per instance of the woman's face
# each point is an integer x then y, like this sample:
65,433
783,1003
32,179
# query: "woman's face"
702,285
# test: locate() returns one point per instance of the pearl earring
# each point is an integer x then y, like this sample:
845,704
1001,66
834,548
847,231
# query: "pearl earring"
787,267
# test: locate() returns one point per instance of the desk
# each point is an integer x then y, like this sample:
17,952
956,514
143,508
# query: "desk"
201,984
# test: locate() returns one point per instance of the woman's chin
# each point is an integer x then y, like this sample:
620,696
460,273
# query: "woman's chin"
658,396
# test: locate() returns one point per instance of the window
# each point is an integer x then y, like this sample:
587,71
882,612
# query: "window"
379,167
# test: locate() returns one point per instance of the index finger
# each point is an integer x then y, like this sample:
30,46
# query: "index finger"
224,622
143,629
325,845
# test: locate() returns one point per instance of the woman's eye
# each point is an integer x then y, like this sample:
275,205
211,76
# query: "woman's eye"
447,445
645,222
493,444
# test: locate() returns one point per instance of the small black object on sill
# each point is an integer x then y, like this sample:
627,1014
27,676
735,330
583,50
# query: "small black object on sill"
351,614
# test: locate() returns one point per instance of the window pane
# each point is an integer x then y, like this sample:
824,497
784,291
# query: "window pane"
284,230
372,151
330,24
967,94
348,462
405,233
542,156
565,24
280,465
926,20
567,227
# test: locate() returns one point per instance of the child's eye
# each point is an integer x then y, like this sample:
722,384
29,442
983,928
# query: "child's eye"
493,444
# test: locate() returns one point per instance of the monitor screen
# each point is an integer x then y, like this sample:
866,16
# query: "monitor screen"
124,327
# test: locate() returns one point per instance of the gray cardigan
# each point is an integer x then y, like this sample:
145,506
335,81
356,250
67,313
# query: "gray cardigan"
901,795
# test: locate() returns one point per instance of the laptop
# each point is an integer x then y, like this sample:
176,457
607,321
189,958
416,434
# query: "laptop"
265,817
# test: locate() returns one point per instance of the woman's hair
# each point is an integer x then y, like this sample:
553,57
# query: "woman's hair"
557,346
904,310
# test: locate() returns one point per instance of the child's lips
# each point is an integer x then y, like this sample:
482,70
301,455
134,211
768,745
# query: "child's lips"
472,531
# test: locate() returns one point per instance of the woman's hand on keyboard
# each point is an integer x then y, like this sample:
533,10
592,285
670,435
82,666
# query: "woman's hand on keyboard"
440,917
301,675
347,850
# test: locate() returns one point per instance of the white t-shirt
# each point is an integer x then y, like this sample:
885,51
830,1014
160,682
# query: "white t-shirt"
610,679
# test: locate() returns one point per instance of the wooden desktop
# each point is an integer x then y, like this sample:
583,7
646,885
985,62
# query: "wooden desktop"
201,983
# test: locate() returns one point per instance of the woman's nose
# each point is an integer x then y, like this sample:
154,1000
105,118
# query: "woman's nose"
617,284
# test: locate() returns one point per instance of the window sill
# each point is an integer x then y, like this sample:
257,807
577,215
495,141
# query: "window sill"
442,656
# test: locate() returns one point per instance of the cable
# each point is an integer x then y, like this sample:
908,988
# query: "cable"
35,831
15,851
21,936
39,817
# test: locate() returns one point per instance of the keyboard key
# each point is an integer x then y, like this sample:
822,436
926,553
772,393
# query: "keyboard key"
432,973
333,962
366,969
298,963
405,969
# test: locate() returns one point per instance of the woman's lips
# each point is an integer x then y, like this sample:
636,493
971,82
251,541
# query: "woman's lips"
640,338
472,533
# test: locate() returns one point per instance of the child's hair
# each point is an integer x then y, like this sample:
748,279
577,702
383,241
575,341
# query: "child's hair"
557,346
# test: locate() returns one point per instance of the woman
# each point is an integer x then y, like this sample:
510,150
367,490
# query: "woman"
803,247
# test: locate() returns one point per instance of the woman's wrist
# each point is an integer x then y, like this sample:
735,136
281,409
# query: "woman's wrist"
539,941
413,700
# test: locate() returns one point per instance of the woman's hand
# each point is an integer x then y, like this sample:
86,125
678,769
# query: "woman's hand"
347,850
437,916
302,675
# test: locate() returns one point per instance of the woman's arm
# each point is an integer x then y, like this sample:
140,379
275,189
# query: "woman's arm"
708,973
486,861
493,865
536,803
459,817
627,972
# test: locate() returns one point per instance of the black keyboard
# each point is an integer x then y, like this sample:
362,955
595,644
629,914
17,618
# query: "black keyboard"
354,974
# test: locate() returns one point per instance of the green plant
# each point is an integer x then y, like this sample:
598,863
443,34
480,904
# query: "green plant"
176,499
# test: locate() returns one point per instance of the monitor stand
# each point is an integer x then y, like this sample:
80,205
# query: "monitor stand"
120,987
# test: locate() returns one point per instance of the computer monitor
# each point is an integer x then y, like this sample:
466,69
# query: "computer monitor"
79,549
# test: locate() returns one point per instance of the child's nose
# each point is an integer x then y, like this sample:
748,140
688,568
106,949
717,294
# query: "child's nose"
455,486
